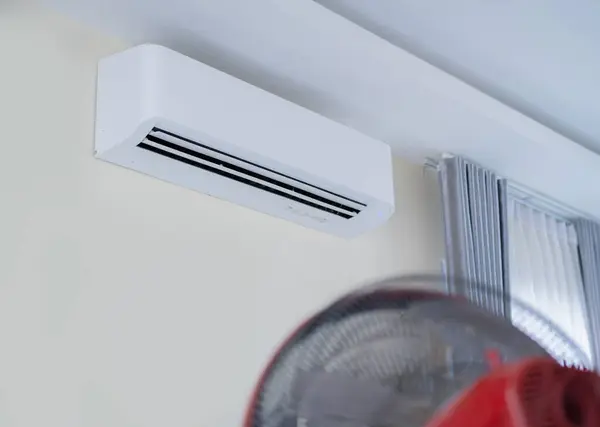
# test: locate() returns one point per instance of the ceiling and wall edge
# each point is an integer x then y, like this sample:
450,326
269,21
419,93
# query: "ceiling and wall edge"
310,55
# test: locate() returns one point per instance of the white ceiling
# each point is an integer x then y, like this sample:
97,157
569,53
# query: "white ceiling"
302,51
541,57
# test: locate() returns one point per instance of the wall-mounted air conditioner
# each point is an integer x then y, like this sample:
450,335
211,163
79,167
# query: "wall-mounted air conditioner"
171,117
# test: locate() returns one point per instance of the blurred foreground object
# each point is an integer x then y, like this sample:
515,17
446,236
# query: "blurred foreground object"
393,355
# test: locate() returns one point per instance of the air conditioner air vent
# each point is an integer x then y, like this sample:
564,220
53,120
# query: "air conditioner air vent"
200,156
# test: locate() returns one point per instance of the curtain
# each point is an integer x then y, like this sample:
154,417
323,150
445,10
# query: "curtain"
545,273
475,209
588,234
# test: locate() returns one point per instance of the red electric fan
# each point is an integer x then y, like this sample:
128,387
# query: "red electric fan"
391,356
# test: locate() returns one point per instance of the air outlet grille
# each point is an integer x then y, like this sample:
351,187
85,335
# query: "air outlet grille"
200,156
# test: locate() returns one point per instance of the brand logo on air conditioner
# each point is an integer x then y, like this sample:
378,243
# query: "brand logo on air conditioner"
301,212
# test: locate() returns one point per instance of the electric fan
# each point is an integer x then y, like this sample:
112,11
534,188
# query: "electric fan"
391,356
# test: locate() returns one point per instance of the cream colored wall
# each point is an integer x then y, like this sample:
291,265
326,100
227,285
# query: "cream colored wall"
126,301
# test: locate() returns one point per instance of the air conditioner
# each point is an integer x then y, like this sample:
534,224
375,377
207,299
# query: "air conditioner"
171,117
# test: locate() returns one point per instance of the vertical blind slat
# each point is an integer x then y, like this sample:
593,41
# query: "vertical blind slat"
503,254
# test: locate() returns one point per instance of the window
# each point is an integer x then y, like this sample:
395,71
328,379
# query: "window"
545,270
522,247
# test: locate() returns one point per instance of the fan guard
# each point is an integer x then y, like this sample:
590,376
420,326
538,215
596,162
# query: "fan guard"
387,355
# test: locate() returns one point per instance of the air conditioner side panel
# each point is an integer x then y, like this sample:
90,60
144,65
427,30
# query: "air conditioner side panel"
125,95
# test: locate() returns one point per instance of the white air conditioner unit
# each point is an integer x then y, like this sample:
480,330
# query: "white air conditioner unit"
171,117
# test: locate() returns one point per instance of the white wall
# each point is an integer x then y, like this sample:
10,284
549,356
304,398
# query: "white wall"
126,301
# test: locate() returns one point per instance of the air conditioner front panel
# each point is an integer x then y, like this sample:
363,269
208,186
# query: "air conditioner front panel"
256,159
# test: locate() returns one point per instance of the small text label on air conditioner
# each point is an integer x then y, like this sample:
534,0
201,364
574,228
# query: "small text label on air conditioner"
300,212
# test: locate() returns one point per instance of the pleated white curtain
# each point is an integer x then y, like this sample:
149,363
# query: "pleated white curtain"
545,269
474,203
